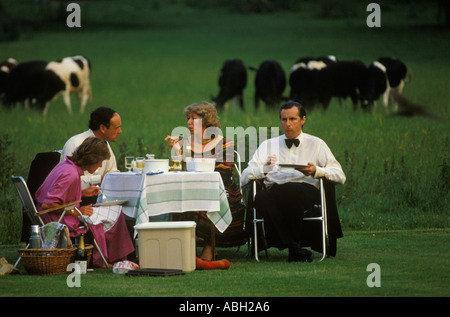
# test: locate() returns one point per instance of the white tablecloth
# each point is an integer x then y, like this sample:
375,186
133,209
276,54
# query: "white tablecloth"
130,187
189,191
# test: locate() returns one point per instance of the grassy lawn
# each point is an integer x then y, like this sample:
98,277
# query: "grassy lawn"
412,263
393,207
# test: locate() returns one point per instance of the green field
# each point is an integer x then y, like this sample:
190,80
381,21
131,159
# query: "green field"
153,61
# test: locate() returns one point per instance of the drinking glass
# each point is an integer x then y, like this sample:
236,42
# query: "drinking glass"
176,163
129,162
140,164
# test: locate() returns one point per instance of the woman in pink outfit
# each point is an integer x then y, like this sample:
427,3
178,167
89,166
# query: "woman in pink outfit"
63,185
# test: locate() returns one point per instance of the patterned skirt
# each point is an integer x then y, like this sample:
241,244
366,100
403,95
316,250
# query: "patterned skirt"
234,235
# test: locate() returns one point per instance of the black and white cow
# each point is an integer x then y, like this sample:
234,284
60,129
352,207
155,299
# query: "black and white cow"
25,83
232,82
305,84
317,62
317,80
374,86
342,79
270,83
304,79
5,69
396,72
36,83
75,72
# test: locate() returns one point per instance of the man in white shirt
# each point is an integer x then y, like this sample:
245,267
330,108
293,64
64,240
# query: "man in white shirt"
290,191
104,123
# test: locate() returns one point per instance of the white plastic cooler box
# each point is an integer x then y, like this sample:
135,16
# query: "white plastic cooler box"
167,245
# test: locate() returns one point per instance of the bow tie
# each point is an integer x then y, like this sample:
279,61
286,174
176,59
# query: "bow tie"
289,142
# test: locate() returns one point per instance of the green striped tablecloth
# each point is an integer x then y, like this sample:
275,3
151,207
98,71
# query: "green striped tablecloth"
189,191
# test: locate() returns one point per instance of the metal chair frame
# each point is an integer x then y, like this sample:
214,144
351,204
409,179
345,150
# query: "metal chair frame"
34,215
237,165
322,217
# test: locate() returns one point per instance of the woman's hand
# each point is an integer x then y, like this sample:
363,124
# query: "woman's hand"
87,210
171,141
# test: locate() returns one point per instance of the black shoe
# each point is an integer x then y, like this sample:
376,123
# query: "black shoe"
301,255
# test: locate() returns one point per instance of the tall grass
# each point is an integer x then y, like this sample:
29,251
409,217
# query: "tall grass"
396,167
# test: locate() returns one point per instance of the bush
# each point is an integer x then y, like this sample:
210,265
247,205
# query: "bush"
10,219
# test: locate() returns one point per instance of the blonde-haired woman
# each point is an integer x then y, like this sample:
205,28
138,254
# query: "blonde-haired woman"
207,141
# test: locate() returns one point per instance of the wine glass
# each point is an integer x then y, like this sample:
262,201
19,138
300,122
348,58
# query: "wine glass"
129,162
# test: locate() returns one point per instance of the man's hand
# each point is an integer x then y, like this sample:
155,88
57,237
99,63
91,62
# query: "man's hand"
308,171
91,191
270,163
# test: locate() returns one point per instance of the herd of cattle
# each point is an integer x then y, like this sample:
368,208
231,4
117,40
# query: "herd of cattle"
312,81
37,83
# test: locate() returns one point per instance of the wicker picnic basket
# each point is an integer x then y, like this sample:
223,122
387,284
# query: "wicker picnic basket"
47,261
50,261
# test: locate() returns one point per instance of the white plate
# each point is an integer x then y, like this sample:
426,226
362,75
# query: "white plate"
110,203
293,165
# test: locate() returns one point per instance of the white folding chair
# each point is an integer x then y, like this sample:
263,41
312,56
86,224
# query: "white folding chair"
237,166
34,215
317,213
322,217
257,221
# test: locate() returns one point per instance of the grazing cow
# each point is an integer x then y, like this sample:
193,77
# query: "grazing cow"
342,79
5,69
305,84
305,81
24,83
75,73
270,82
39,82
232,81
318,80
375,85
396,72
317,62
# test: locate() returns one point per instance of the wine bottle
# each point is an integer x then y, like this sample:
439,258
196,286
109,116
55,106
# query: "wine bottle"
81,256
35,239
181,152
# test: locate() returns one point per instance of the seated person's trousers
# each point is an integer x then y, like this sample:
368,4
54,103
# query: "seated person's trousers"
282,207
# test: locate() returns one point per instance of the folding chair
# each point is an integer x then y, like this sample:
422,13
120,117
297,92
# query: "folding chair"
322,217
317,213
237,166
34,215
257,221
40,167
